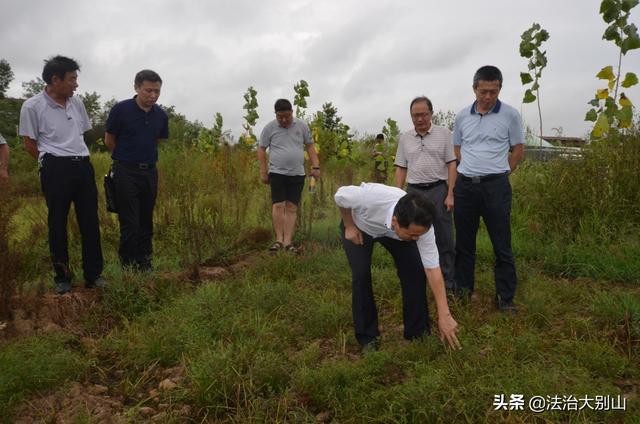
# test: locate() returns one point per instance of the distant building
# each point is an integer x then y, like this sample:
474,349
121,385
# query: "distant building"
561,141
552,147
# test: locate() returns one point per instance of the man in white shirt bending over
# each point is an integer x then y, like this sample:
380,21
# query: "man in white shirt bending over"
402,223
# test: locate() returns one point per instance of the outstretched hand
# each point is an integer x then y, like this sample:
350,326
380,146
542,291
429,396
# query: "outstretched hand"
448,328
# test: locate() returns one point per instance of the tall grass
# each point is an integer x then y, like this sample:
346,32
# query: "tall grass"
581,217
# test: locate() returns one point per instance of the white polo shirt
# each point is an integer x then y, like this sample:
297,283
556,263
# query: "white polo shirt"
57,129
372,208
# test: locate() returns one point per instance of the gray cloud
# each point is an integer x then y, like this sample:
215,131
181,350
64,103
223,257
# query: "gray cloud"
368,58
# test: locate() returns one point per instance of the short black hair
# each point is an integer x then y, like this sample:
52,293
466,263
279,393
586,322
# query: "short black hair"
421,99
146,75
414,208
283,105
58,66
487,73
380,137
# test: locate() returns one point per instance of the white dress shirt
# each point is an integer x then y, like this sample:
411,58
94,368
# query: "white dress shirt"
372,207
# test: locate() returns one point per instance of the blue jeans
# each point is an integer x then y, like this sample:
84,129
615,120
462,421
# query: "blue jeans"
490,199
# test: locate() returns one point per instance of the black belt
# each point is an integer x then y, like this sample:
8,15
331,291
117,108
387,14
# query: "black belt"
426,186
71,158
489,177
135,165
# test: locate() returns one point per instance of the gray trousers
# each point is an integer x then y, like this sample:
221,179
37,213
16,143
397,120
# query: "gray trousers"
443,228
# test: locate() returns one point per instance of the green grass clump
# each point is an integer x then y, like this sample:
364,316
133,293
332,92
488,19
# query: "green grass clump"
37,364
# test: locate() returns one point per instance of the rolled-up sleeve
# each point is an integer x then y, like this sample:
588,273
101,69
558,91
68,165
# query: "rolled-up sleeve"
428,250
348,197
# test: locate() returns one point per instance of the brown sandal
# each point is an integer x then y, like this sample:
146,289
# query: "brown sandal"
275,246
291,248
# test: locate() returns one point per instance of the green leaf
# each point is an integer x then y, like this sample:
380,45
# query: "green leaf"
631,30
601,127
594,102
602,93
625,117
630,43
627,5
610,10
542,36
529,97
526,49
525,78
606,73
630,79
535,86
612,33
606,4
592,115
610,107
541,61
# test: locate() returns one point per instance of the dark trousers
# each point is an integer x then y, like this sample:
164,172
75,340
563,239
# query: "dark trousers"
136,191
65,181
491,200
412,279
443,229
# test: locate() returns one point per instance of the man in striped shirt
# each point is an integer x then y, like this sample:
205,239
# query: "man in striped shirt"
426,161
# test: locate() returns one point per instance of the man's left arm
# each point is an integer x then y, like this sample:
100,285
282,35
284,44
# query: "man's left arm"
447,326
517,154
313,157
164,132
516,139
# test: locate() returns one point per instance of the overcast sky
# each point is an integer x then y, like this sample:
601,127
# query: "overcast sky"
369,58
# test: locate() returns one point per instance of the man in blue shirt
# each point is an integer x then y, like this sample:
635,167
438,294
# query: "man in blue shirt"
134,128
483,135
52,124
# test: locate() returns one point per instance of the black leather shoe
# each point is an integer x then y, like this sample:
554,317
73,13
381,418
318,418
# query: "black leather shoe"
372,346
63,287
506,307
98,283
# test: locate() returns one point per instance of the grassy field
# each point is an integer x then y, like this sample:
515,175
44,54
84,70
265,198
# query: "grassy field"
272,339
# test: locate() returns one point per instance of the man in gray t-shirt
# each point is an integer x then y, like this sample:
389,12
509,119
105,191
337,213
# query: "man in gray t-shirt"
4,160
286,138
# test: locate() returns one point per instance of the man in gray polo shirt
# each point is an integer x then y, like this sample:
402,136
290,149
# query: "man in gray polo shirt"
4,160
287,138
52,124
483,135
425,159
